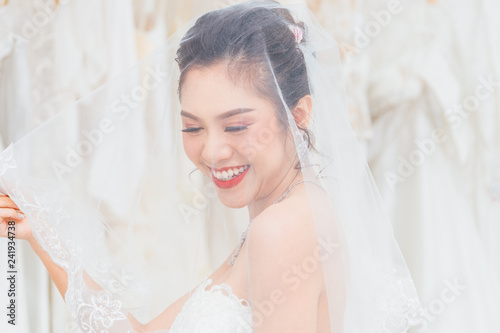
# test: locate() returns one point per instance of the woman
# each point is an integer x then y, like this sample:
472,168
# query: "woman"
317,255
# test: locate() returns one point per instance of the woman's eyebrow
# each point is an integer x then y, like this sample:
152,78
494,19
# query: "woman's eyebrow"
224,115
233,113
188,115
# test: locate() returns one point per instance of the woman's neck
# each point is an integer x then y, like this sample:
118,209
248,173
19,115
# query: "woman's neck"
258,206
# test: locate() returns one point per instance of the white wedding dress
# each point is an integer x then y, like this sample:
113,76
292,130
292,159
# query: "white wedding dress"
427,183
213,308
45,66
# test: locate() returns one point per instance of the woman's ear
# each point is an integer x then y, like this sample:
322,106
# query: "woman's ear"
303,111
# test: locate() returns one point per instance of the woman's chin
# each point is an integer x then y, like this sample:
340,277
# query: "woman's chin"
231,198
233,202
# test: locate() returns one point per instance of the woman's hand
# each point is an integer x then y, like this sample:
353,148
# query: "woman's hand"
10,212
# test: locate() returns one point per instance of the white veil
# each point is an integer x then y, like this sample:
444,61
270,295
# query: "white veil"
115,201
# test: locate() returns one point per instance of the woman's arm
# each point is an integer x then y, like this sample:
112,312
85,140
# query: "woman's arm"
58,275
10,212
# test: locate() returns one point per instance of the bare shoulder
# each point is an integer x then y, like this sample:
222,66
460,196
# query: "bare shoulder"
284,232
281,247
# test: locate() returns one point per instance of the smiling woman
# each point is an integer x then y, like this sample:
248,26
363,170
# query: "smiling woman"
317,254
214,138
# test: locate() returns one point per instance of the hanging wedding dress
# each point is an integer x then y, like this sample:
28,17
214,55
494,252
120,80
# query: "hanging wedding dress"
486,192
107,201
157,20
340,18
428,156
50,57
16,119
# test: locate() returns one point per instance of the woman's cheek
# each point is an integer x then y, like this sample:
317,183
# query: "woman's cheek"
192,149
265,145
247,147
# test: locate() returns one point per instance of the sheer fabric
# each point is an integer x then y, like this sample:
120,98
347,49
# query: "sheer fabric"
95,196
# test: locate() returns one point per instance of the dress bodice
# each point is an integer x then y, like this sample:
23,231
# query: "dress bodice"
216,310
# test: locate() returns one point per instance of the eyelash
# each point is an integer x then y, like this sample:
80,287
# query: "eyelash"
228,129
191,129
235,128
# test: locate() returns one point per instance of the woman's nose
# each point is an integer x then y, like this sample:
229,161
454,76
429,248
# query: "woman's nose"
216,149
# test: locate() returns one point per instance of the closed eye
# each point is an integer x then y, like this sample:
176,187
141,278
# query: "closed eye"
235,128
192,129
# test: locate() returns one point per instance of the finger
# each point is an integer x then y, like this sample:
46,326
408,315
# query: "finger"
6,202
10,214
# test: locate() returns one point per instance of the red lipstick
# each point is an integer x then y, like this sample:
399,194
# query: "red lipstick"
229,183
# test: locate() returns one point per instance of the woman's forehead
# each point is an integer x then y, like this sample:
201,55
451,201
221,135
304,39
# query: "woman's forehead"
213,88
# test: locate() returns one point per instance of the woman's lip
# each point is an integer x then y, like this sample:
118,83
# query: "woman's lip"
230,183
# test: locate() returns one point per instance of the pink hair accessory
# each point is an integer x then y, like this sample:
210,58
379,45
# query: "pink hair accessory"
297,32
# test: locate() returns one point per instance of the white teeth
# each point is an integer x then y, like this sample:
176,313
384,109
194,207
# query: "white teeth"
229,174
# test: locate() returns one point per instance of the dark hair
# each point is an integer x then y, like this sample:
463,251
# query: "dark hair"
251,38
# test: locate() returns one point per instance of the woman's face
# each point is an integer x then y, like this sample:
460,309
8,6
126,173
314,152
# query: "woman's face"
233,136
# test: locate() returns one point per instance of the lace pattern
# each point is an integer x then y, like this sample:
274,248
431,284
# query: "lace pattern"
216,310
94,310
396,311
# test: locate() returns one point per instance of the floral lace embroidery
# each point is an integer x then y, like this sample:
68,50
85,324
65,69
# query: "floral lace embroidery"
225,289
398,310
94,310
216,309
102,311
